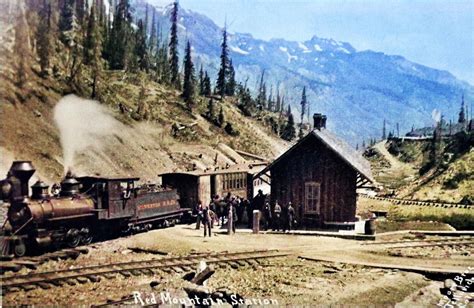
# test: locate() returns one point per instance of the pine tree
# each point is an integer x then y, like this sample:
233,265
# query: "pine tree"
92,49
289,131
384,132
66,22
145,25
120,47
201,81
173,48
163,65
21,47
462,115
43,37
153,43
263,99
210,110
246,104
207,84
303,104
230,84
278,101
189,79
270,103
80,10
221,84
262,95
141,49
221,119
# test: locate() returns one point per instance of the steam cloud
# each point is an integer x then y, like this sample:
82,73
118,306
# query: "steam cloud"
81,123
436,115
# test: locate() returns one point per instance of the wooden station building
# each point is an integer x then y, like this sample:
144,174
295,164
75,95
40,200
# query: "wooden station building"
319,175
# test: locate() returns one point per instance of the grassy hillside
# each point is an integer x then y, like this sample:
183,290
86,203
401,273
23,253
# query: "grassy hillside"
145,113
401,166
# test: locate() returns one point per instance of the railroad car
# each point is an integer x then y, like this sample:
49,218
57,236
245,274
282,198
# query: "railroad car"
83,208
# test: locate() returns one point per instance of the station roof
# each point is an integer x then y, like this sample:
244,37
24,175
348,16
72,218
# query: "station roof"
250,167
338,146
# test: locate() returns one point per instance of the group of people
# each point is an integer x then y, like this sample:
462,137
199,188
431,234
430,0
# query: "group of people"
280,217
220,210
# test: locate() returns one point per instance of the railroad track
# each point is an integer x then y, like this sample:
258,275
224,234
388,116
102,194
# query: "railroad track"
13,264
161,266
438,242
400,201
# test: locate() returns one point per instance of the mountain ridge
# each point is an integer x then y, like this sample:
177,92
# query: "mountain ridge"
350,86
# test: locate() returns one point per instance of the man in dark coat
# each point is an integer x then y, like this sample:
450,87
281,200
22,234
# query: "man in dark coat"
291,216
259,200
267,215
198,211
206,220
249,209
284,217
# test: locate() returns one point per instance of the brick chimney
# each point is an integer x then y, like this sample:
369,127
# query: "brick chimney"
319,121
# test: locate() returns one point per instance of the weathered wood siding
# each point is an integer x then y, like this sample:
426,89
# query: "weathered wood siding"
187,187
224,186
314,161
204,188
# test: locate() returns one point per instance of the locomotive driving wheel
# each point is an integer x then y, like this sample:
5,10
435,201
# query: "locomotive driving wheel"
20,248
73,238
86,239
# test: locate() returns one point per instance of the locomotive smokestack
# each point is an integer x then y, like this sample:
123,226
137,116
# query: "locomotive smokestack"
39,190
69,186
22,170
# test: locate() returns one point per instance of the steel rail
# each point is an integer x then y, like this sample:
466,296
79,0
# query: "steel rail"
91,273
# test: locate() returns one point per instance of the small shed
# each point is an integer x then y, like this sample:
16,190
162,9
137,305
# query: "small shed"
201,185
319,175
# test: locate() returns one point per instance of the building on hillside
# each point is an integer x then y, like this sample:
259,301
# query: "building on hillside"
319,175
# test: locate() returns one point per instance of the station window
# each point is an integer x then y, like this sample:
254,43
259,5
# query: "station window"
234,181
312,197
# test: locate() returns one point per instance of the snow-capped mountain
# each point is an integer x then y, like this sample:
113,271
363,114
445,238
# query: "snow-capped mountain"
356,89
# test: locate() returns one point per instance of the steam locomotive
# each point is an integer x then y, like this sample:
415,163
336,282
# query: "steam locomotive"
85,208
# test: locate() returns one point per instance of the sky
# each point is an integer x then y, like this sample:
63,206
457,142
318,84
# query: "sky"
436,33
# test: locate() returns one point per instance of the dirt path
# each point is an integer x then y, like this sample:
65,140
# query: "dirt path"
395,164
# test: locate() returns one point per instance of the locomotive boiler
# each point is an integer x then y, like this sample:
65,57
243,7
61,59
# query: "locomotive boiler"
82,209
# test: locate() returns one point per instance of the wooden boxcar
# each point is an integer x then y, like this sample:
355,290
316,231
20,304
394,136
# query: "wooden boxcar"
197,185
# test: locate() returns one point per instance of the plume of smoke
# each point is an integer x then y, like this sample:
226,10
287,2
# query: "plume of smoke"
82,124
436,115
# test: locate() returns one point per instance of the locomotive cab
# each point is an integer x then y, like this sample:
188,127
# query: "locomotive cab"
113,196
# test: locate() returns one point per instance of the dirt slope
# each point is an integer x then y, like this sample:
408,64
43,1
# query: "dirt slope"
143,145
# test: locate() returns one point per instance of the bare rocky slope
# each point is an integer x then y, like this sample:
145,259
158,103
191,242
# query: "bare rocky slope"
143,113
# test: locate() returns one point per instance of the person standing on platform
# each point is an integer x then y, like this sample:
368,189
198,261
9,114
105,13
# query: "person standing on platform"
249,209
291,216
198,210
276,216
267,213
206,221
284,218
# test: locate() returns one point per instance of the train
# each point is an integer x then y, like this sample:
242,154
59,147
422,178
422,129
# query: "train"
82,209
